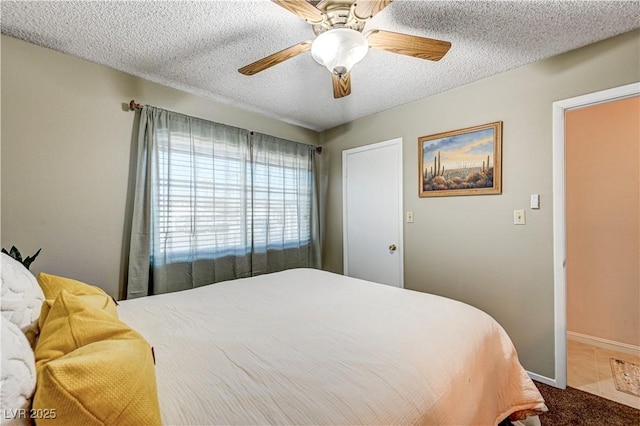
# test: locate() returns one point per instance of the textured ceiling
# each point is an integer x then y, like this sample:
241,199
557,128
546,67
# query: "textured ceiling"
198,46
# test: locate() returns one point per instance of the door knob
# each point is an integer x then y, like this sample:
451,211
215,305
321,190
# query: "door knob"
392,247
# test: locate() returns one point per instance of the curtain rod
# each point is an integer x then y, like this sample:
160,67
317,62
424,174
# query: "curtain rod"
133,105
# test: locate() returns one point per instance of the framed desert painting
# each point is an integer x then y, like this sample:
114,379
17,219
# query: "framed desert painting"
461,162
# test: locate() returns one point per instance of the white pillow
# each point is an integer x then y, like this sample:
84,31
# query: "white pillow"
18,377
21,297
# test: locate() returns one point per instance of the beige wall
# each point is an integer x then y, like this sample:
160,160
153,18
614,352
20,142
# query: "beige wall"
603,208
66,145
66,157
467,248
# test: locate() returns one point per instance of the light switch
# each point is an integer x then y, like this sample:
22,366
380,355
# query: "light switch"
535,201
518,217
409,217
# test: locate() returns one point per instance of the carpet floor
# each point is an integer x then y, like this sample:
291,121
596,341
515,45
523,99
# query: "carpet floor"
572,407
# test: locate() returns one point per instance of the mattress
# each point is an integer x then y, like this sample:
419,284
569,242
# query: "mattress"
305,346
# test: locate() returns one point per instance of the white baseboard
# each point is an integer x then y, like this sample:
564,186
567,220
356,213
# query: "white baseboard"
604,343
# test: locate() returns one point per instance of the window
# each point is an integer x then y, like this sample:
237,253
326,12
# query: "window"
216,199
215,202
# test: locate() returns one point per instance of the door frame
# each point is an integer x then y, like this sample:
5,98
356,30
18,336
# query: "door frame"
559,214
398,143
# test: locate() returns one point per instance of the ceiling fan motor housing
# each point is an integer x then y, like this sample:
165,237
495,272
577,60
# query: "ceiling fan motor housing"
338,14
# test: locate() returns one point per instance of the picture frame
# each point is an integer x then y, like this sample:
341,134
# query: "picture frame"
461,162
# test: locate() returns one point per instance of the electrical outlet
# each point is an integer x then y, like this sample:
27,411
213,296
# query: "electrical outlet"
518,217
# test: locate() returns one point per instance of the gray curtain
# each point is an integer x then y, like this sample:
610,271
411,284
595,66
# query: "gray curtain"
215,202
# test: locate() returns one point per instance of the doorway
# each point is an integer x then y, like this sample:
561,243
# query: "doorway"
559,213
372,212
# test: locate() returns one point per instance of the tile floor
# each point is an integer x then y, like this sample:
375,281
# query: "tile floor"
589,369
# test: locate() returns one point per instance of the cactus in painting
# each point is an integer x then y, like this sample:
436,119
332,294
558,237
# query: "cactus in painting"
436,170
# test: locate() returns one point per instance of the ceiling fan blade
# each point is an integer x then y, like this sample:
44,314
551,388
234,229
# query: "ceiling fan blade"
303,9
341,85
366,9
276,58
404,44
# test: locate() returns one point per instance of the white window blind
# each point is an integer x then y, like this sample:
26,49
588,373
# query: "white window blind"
217,197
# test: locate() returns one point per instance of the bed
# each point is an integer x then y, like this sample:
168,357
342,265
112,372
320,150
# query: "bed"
305,346
301,346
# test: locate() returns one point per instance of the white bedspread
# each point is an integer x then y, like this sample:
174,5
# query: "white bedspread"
310,347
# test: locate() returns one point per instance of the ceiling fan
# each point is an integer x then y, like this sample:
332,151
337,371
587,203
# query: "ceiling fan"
340,42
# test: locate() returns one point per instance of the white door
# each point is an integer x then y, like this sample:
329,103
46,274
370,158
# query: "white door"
372,212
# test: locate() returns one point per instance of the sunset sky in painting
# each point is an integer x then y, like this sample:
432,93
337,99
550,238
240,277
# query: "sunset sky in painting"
460,151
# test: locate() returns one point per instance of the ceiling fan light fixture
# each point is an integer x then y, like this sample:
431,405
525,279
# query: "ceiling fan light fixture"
339,49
